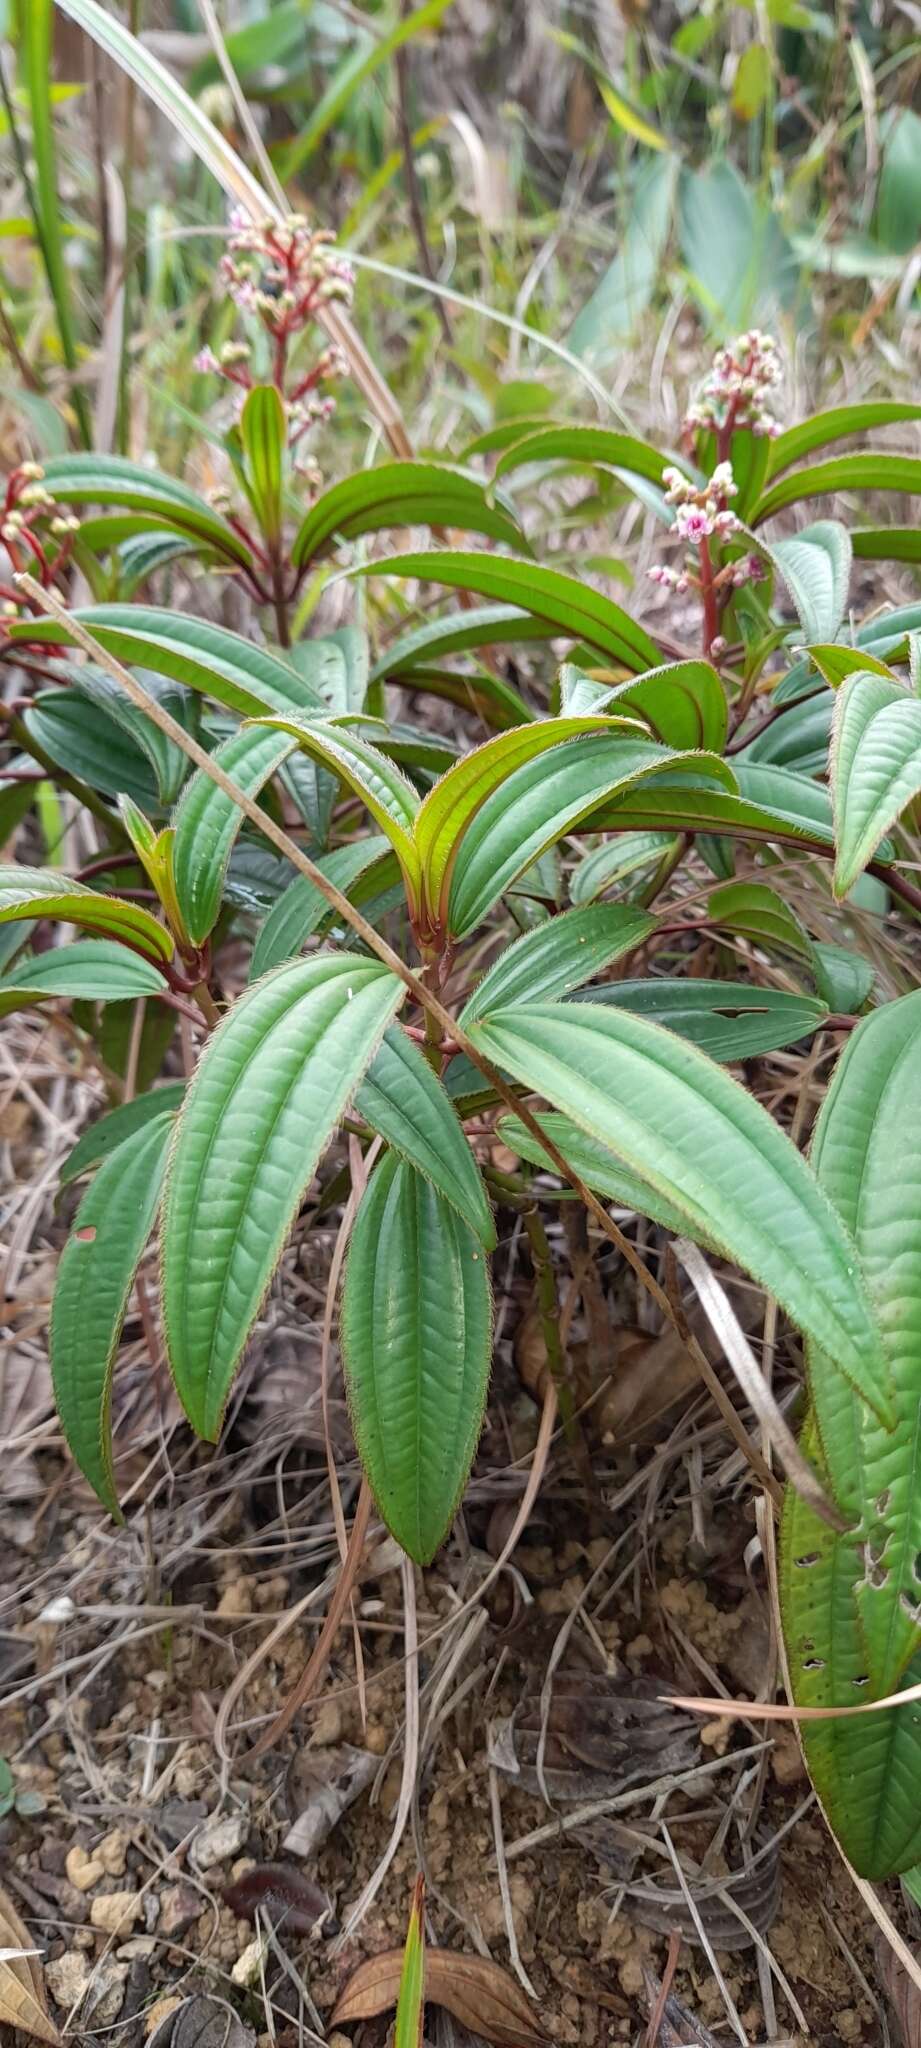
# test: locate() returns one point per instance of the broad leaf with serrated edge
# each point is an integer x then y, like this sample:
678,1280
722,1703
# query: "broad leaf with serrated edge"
301,909
875,767
111,1130
207,658
405,1103
711,1150
110,480
577,445
457,796
94,1277
835,425
684,703
91,970
730,1020
542,801
46,892
416,1344
269,1090
559,956
206,823
385,792
851,1603
758,913
816,567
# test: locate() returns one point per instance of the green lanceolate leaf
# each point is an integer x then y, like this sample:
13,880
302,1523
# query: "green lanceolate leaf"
630,853
852,1602
388,795
684,703
300,911
167,759
816,568
577,445
96,1269
541,801
219,664
458,796
887,543
867,472
86,742
488,697
566,605
46,892
596,1164
264,436
270,1088
92,970
207,821
110,1131
836,425
771,803
403,494
844,979
405,1103
799,740
710,1149
758,913
730,1020
875,767
486,625
110,480
416,1346
559,956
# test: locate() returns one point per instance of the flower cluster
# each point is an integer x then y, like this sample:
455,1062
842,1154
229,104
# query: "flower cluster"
30,518
702,515
735,393
283,273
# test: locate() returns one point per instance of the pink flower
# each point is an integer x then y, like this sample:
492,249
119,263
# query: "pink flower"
693,523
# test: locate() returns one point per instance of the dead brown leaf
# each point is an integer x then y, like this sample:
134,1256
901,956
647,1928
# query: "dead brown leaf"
22,1989
477,1993
651,1375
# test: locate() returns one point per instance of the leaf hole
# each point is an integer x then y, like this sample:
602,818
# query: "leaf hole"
882,1506
802,1563
910,1608
862,1680
916,1568
814,1664
86,1235
876,1575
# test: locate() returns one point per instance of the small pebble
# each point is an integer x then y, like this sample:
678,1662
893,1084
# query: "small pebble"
218,1840
116,1912
83,1871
